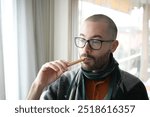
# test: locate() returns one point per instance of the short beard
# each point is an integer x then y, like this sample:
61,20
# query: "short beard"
100,63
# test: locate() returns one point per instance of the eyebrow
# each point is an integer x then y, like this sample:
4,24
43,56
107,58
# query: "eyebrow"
94,36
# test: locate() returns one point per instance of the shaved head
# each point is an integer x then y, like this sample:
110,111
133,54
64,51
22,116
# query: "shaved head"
112,28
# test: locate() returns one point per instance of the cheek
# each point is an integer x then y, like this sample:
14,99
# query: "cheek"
100,52
105,48
102,55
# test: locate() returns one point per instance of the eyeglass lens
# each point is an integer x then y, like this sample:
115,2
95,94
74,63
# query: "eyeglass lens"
93,43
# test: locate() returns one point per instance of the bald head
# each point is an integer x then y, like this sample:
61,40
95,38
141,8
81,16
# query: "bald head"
112,28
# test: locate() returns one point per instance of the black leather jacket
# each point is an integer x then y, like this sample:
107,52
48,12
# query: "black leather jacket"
128,87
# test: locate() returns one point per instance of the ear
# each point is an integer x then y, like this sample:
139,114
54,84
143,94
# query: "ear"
114,45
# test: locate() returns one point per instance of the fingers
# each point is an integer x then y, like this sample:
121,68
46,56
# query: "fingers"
58,66
50,71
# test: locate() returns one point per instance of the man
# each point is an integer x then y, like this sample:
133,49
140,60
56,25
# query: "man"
99,76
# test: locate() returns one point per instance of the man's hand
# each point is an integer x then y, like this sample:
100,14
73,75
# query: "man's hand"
48,73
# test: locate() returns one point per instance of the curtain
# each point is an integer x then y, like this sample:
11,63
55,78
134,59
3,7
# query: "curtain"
33,40
26,46
33,23
2,83
33,29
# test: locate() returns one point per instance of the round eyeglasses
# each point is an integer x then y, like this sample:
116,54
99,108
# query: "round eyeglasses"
94,44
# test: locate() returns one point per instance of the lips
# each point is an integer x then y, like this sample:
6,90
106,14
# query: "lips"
86,60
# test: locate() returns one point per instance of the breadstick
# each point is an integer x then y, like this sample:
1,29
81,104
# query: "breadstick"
76,61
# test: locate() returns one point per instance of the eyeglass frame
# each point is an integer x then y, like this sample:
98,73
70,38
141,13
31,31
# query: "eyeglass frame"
88,41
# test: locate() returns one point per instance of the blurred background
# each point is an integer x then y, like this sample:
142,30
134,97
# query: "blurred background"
33,32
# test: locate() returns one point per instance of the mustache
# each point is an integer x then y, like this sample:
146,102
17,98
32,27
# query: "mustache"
88,56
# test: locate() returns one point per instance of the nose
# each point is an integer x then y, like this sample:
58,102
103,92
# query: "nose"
86,48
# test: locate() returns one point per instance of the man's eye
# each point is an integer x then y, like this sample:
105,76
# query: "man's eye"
82,40
95,41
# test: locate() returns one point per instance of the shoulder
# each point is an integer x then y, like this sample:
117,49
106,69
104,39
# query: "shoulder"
131,82
127,77
133,87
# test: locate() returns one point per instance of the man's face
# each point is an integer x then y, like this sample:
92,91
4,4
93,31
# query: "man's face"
95,59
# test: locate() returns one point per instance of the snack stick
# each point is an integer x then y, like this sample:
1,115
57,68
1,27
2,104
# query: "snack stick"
76,61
